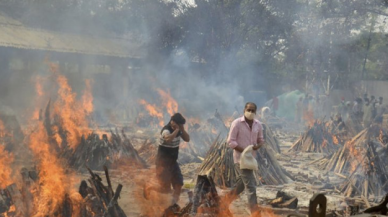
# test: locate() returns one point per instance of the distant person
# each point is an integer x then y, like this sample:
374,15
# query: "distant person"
348,109
339,124
245,131
265,113
365,96
168,171
299,110
357,110
342,107
372,99
305,107
380,108
368,113
275,105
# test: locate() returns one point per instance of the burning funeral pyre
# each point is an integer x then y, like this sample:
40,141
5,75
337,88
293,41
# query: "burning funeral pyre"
316,139
362,163
219,165
95,152
92,200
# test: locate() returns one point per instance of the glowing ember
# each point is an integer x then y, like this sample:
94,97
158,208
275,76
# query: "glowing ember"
169,102
335,140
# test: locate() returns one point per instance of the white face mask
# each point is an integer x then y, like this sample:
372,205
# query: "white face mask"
249,115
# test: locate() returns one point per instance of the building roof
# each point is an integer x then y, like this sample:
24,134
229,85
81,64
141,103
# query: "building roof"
15,34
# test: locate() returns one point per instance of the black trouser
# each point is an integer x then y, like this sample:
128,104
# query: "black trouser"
169,174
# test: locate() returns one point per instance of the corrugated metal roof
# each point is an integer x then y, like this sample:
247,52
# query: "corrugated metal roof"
13,34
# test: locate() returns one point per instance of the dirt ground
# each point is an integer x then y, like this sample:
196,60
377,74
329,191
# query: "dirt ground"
298,164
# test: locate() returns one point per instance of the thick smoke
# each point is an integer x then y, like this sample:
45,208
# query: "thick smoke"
198,88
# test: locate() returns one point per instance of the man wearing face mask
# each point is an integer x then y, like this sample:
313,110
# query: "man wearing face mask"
245,131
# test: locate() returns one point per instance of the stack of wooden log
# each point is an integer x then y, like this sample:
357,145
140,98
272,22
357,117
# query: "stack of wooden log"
219,165
148,151
100,200
97,199
270,139
204,201
362,163
95,152
316,139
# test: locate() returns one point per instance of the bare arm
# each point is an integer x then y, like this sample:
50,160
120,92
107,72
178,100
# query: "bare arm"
185,136
170,137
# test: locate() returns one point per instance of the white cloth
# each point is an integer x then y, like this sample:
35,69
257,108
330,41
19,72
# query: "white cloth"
247,161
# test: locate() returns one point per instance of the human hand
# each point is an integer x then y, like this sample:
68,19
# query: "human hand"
174,126
181,127
257,146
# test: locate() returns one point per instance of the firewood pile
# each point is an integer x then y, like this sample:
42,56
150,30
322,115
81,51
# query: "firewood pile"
92,151
219,165
93,200
270,139
148,151
362,162
95,152
316,139
205,201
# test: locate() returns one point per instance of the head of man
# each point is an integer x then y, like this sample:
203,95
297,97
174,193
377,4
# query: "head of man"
250,110
176,120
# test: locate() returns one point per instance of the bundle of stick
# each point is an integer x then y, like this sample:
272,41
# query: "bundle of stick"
355,150
100,199
97,200
95,152
195,150
92,151
270,138
316,139
206,200
219,165
148,151
362,163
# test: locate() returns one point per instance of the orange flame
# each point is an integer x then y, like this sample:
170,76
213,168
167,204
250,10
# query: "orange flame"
6,160
54,184
169,102
71,112
308,116
2,129
152,110
87,98
335,140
